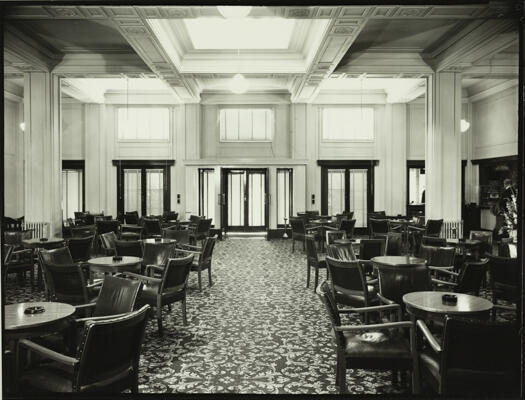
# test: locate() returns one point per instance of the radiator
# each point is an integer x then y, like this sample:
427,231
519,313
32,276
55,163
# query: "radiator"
452,229
40,229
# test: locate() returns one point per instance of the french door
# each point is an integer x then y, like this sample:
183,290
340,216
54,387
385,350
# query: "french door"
347,186
244,199
143,186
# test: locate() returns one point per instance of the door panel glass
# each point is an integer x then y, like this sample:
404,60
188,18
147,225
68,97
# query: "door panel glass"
154,192
207,193
132,190
283,195
71,192
358,196
256,199
416,186
336,191
235,198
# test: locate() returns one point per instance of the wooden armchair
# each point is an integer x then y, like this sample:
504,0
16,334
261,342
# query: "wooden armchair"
201,230
313,259
107,360
300,230
19,262
203,258
467,281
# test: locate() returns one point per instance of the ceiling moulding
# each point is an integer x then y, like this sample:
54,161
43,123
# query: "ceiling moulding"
137,97
371,96
497,9
240,162
97,64
82,92
224,97
493,90
384,62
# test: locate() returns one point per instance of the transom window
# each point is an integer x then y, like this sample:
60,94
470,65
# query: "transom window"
246,124
143,123
347,124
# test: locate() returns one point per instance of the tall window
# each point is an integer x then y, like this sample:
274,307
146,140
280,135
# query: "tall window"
143,186
284,195
344,124
207,192
143,123
72,187
416,185
246,124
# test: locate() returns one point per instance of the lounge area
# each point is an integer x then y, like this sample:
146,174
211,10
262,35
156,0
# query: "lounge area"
312,200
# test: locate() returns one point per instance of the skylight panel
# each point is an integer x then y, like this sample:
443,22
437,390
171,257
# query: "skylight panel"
244,33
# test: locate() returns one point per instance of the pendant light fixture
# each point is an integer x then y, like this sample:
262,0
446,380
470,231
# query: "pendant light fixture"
234,11
238,84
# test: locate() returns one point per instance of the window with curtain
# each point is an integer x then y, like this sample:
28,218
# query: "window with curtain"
71,192
207,192
284,195
344,124
143,123
133,190
246,124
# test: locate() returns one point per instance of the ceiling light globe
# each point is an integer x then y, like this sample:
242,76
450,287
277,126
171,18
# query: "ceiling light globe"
234,11
238,84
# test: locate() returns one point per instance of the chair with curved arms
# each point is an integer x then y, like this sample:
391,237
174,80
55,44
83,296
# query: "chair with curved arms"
379,228
19,262
131,248
203,257
332,235
182,236
152,227
433,241
131,218
107,359
468,280
107,241
68,283
313,259
348,226
504,275
381,346
394,244
169,288
80,248
156,254
201,231
300,230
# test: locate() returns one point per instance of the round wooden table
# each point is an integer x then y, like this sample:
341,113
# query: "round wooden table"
398,261
36,243
161,241
106,264
429,305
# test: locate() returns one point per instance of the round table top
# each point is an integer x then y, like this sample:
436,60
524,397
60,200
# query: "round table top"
463,242
131,226
398,261
16,319
36,242
108,261
432,302
161,241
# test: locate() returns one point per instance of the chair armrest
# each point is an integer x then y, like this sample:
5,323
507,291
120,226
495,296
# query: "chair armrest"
384,299
504,307
48,353
101,318
440,282
188,251
387,325
22,252
444,270
94,284
416,228
82,307
189,247
141,277
372,281
420,324
385,307
153,266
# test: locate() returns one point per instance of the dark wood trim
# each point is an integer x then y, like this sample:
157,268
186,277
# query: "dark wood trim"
494,160
78,165
143,163
347,163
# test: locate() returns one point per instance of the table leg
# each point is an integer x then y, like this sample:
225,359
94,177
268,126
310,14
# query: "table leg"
416,389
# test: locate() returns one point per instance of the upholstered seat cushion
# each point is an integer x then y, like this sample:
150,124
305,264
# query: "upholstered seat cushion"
356,298
52,377
378,344
150,290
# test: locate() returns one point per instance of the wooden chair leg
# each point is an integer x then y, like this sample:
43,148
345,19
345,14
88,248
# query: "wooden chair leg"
184,318
307,275
159,319
341,375
316,277
200,280
209,277
403,381
394,377
293,244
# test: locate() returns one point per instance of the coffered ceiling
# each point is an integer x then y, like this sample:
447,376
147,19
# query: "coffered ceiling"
297,50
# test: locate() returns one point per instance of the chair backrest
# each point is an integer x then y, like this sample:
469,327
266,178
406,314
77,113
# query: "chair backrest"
131,248
12,224
203,225
175,275
395,282
83,230
347,277
485,237
8,250
80,215
170,216
437,256
90,218
131,217
297,224
67,283
393,244
333,235
15,237
378,226
348,226
207,249
105,226
479,358
181,236
117,296
108,240
194,219
80,247
370,248
157,253
327,297
61,255
110,349
311,249
471,276
433,227
433,241
505,275
152,226
341,251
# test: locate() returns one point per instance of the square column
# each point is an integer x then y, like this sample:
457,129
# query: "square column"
443,147
42,150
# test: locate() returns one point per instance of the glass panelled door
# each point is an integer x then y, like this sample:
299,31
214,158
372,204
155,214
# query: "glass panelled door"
154,191
132,190
347,186
245,193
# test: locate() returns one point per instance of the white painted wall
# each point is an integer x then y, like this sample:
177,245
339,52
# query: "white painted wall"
13,158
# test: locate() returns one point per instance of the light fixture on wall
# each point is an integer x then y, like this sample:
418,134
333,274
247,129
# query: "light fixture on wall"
464,125
234,11
22,126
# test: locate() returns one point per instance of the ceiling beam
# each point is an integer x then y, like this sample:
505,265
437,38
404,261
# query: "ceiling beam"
405,64
492,90
88,65
82,92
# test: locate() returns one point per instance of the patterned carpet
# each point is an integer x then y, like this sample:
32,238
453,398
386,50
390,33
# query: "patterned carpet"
256,330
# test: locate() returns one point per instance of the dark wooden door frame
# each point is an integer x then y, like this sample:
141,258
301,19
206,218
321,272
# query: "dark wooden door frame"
224,199
347,165
81,166
143,165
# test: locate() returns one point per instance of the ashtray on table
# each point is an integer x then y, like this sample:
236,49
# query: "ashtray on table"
449,299
117,258
43,239
34,310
